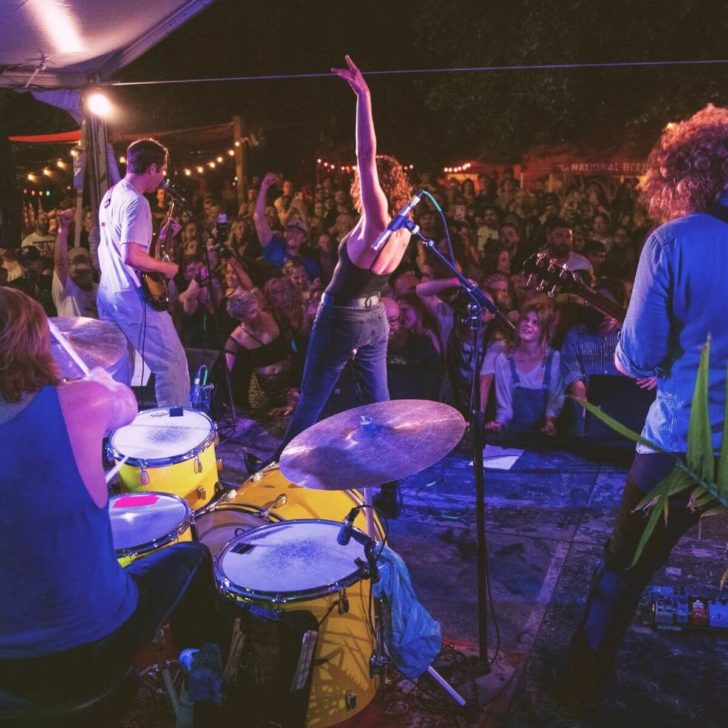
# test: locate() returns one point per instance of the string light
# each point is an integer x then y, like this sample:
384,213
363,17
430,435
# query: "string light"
455,170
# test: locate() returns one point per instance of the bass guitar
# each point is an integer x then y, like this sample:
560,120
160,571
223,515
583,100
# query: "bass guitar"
554,278
154,285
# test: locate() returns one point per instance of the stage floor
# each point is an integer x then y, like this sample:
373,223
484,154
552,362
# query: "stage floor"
547,519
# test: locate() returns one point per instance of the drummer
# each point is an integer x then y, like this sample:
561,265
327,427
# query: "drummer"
70,616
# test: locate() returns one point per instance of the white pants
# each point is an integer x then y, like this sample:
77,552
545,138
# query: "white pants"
153,335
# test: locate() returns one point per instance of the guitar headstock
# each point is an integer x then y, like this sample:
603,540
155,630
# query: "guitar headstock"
553,278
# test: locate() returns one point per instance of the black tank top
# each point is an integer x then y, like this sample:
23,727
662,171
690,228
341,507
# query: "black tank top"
350,281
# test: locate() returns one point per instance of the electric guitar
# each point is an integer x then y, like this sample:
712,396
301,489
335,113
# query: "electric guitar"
154,285
554,278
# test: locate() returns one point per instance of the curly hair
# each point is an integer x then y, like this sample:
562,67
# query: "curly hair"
393,180
26,363
687,171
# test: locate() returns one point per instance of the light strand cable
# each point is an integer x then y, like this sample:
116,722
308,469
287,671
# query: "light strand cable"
430,71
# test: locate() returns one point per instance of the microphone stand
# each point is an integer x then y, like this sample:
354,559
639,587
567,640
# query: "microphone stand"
212,297
479,304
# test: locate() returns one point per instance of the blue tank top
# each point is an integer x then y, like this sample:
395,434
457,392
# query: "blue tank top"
60,583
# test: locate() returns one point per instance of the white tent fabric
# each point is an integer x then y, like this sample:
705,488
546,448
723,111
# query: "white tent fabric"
68,43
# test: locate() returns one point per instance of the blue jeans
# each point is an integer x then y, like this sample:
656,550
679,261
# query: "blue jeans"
175,584
340,335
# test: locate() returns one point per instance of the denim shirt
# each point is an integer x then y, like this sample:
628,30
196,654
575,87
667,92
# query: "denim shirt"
680,297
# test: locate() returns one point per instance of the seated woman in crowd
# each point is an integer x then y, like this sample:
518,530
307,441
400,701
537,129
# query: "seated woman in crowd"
528,384
258,343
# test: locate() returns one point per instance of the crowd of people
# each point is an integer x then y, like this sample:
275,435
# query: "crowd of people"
250,281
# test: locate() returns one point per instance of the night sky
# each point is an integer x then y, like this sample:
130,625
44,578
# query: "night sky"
428,119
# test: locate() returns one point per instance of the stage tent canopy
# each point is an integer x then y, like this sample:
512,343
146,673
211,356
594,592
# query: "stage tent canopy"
67,44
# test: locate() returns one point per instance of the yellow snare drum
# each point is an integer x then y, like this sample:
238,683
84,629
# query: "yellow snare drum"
169,454
145,522
275,498
298,565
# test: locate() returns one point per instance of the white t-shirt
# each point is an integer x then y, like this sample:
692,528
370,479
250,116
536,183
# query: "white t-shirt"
124,217
71,301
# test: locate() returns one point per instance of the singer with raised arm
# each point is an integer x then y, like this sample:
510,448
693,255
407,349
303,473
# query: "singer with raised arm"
351,323
125,219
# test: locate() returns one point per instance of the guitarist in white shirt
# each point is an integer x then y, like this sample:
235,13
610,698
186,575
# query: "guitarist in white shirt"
125,219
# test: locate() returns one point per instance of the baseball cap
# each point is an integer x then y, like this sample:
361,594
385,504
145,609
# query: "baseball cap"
299,225
29,253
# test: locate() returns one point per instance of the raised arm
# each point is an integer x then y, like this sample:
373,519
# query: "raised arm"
261,224
374,201
60,253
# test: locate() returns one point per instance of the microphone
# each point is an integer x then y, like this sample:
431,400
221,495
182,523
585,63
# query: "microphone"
169,187
347,528
400,220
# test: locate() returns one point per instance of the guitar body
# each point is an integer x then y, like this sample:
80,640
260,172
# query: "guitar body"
156,290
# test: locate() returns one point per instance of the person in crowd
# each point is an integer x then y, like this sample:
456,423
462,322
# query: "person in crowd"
197,306
413,321
601,230
277,250
489,229
71,618
559,240
351,323
11,265
596,253
41,238
663,335
34,279
73,287
258,343
126,235
528,385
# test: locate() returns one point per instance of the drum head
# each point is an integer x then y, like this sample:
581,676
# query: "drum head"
289,561
222,523
156,436
144,521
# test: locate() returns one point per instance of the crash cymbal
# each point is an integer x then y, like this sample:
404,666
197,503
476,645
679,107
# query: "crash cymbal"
373,444
98,343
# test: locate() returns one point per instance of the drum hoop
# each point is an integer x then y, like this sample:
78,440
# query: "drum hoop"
230,590
160,541
113,453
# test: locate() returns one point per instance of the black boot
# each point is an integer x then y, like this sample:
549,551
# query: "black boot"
577,679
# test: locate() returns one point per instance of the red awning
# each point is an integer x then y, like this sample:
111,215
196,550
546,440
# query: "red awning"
70,137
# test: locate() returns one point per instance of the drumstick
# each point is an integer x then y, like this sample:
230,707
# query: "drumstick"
116,469
66,346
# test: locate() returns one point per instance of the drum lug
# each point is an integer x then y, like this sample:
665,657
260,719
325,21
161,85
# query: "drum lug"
143,476
350,700
218,462
280,501
201,492
198,464
343,603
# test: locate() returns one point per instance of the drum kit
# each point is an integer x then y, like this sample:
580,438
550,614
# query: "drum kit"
276,540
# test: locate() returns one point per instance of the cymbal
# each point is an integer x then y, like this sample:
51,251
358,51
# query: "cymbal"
373,444
98,343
